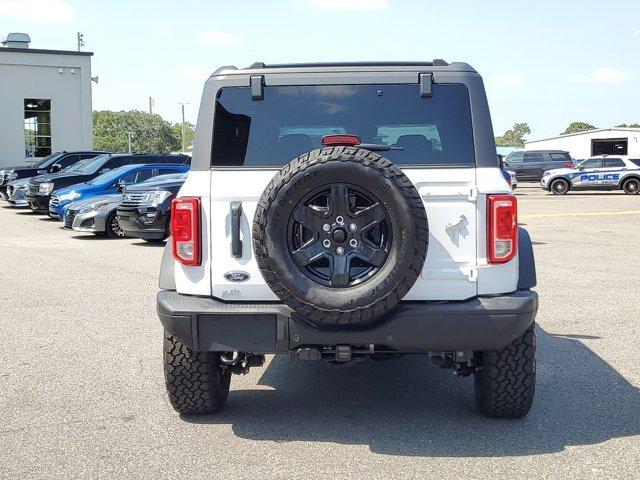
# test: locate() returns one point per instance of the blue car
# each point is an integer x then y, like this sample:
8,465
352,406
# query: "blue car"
110,182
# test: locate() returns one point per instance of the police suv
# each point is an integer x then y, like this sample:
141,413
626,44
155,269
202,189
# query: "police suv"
597,173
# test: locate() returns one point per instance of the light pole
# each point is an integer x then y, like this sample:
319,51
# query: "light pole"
184,128
129,135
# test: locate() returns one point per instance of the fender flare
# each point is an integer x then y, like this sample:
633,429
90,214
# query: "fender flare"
526,263
167,279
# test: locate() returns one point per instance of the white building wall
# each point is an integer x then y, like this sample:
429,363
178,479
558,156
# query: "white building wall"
579,145
63,78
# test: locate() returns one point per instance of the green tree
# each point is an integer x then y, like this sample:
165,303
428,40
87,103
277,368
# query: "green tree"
150,132
190,130
514,137
633,125
576,127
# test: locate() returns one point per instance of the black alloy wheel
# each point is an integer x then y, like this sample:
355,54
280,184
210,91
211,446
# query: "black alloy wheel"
112,227
339,235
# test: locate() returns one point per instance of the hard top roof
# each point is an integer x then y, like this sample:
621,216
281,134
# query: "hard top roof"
261,67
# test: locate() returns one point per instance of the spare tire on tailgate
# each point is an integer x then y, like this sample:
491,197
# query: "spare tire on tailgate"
340,235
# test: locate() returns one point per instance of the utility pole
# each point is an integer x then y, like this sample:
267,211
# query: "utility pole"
150,105
129,135
184,128
80,40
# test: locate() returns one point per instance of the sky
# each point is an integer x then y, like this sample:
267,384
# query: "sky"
546,63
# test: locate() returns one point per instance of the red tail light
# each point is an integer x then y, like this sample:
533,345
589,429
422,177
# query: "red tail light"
569,164
502,235
334,140
185,230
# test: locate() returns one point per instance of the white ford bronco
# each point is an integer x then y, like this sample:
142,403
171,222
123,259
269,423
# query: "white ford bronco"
339,212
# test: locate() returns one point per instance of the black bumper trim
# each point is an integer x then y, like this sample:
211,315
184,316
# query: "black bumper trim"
481,323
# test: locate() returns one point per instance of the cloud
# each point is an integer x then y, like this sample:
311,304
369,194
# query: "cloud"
194,72
51,11
218,37
349,5
602,75
507,80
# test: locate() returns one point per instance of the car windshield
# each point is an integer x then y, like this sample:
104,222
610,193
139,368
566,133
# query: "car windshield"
75,167
45,160
292,120
110,176
93,165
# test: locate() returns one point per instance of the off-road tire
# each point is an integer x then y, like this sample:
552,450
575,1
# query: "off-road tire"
505,383
559,186
195,381
354,305
631,186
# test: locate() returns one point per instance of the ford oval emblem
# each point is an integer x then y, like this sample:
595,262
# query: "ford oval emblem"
237,276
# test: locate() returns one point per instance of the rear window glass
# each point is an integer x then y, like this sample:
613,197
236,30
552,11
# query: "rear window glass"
559,157
635,161
292,120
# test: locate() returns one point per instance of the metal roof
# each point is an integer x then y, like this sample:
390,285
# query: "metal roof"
586,132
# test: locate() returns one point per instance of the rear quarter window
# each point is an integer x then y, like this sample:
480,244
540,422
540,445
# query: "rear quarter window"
292,120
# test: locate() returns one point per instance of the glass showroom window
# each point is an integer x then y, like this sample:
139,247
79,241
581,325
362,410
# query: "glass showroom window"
37,127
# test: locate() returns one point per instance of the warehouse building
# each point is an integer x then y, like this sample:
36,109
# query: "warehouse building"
603,141
46,101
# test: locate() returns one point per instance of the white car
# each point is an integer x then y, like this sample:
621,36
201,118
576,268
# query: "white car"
597,173
345,211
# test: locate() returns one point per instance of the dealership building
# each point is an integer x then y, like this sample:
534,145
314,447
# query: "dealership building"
602,141
46,101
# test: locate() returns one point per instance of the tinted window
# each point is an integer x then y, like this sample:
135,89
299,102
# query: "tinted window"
292,120
514,158
613,163
167,171
635,161
88,155
592,163
533,157
117,162
143,175
560,157
68,160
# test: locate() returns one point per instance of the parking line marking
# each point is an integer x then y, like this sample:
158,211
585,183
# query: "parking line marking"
580,214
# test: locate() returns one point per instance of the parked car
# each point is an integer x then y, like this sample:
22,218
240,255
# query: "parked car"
511,179
113,181
95,215
41,187
50,164
16,192
145,208
313,223
530,165
597,173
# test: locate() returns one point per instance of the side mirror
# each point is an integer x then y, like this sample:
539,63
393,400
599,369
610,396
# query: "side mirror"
56,167
120,186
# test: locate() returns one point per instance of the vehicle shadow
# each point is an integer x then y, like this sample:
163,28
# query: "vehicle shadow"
149,244
407,407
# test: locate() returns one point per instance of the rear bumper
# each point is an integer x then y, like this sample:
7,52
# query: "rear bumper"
482,323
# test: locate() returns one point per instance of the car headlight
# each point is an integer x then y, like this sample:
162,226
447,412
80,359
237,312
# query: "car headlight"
93,207
68,196
46,188
546,174
157,197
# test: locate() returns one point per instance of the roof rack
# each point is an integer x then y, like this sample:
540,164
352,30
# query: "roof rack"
438,62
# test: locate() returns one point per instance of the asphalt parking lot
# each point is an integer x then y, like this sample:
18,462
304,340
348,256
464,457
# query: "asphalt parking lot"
82,392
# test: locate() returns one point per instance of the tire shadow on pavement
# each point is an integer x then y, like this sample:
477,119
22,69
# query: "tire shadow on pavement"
407,407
